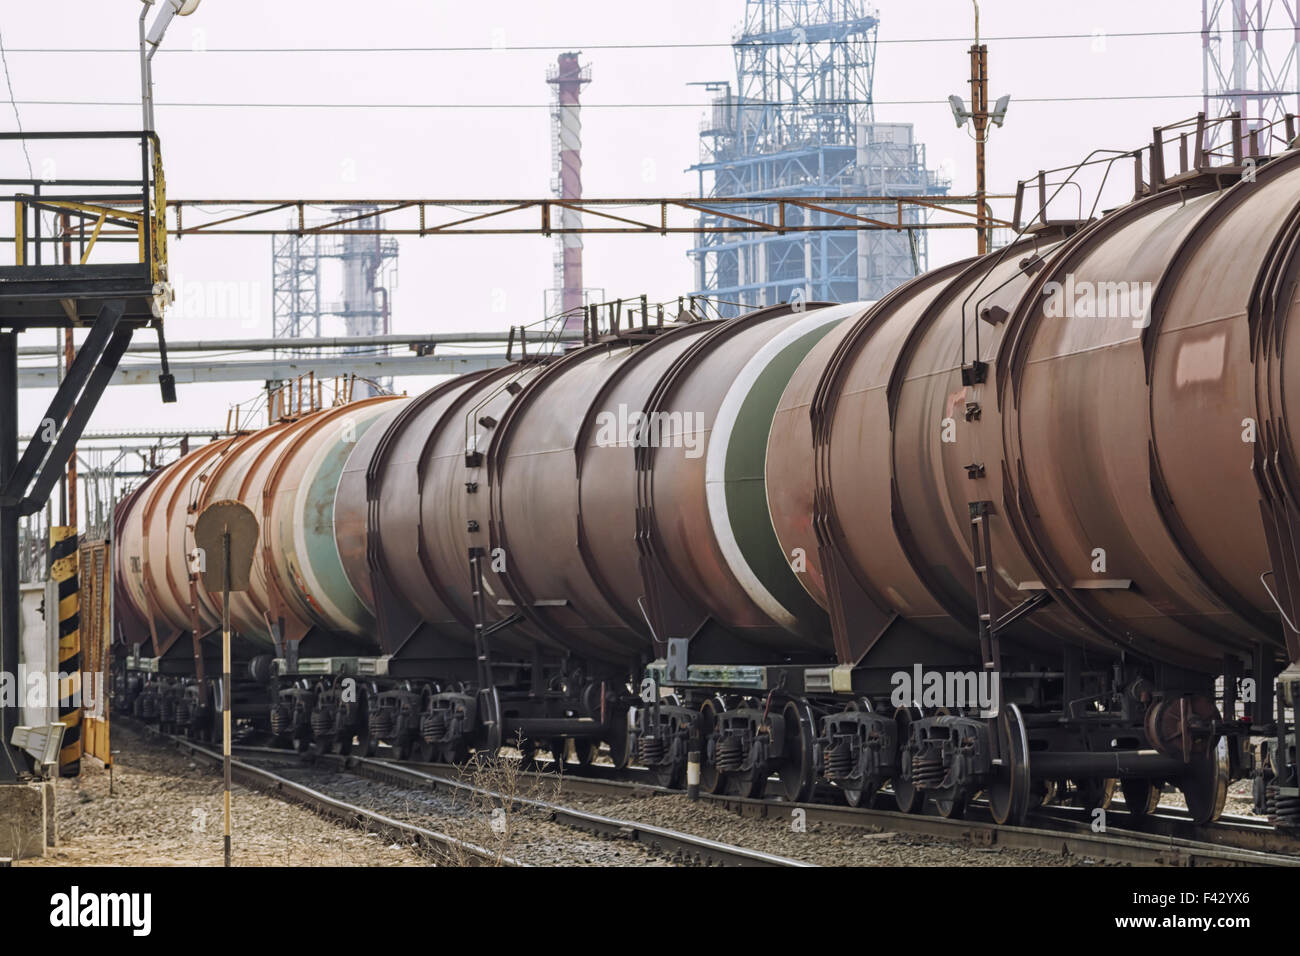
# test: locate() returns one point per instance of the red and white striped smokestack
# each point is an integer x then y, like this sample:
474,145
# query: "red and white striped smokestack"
569,78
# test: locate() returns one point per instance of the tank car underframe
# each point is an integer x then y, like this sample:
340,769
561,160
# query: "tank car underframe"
1022,737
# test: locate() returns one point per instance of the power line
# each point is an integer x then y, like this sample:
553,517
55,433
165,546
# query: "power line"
550,47
587,106
14,103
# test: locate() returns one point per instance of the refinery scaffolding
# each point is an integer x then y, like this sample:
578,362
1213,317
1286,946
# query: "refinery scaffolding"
800,123
367,275
1250,66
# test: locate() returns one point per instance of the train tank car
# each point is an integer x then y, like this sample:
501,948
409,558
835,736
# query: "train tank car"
287,474
1023,529
525,486
1092,476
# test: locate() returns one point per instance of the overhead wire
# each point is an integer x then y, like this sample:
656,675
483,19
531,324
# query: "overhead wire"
597,106
668,45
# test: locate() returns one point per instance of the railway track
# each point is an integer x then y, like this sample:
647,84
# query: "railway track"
1168,839
671,843
441,845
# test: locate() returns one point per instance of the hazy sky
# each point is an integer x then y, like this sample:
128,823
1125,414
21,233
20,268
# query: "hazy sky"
454,284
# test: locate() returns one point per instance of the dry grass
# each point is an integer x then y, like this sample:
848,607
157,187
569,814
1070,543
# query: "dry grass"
493,817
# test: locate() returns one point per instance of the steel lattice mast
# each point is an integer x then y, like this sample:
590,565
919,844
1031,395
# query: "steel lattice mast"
801,122
1251,63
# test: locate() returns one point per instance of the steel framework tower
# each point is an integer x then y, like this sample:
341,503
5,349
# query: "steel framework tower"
369,269
800,122
1241,41
567,77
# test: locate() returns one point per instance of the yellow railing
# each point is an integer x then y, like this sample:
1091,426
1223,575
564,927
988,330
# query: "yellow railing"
148,224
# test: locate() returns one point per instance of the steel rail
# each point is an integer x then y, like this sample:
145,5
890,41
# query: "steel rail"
1243,833
1115,845
446,846
672,842
1172,841
1175,841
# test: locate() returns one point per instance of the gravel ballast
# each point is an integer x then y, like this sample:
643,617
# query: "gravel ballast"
165,810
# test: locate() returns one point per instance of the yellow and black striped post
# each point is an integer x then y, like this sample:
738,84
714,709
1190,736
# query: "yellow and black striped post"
63,571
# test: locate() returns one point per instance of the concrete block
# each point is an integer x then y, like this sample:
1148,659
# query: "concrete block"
22,820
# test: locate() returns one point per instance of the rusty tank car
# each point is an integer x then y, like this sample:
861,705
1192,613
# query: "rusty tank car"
1024,528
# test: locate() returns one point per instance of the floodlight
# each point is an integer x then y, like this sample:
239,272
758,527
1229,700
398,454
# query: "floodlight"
958,110
171,8
1000,109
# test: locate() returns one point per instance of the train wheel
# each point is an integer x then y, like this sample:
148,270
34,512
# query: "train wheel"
427,751
867,792
668,775
1140,796
321,745
1009,792
952,806
749,783
455,753
620,740
1205,784
401,748
343,744
712,780
1094,793
584,751
795,769
302,744
908,798
371,746
559,752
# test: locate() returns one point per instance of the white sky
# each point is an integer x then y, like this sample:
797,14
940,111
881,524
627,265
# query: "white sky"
452,284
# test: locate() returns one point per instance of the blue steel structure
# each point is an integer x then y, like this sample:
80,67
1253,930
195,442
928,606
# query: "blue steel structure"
800,123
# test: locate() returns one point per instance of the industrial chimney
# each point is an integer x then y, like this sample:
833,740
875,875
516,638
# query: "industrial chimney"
568,77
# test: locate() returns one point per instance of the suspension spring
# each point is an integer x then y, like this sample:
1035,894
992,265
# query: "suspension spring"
839,760
1282,811
281,720
322,722
433,726
927,770
730,754
652,751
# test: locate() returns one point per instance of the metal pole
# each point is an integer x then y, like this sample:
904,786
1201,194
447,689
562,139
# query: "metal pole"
9,592
979,107
146,79
70,354
225,678
979,83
